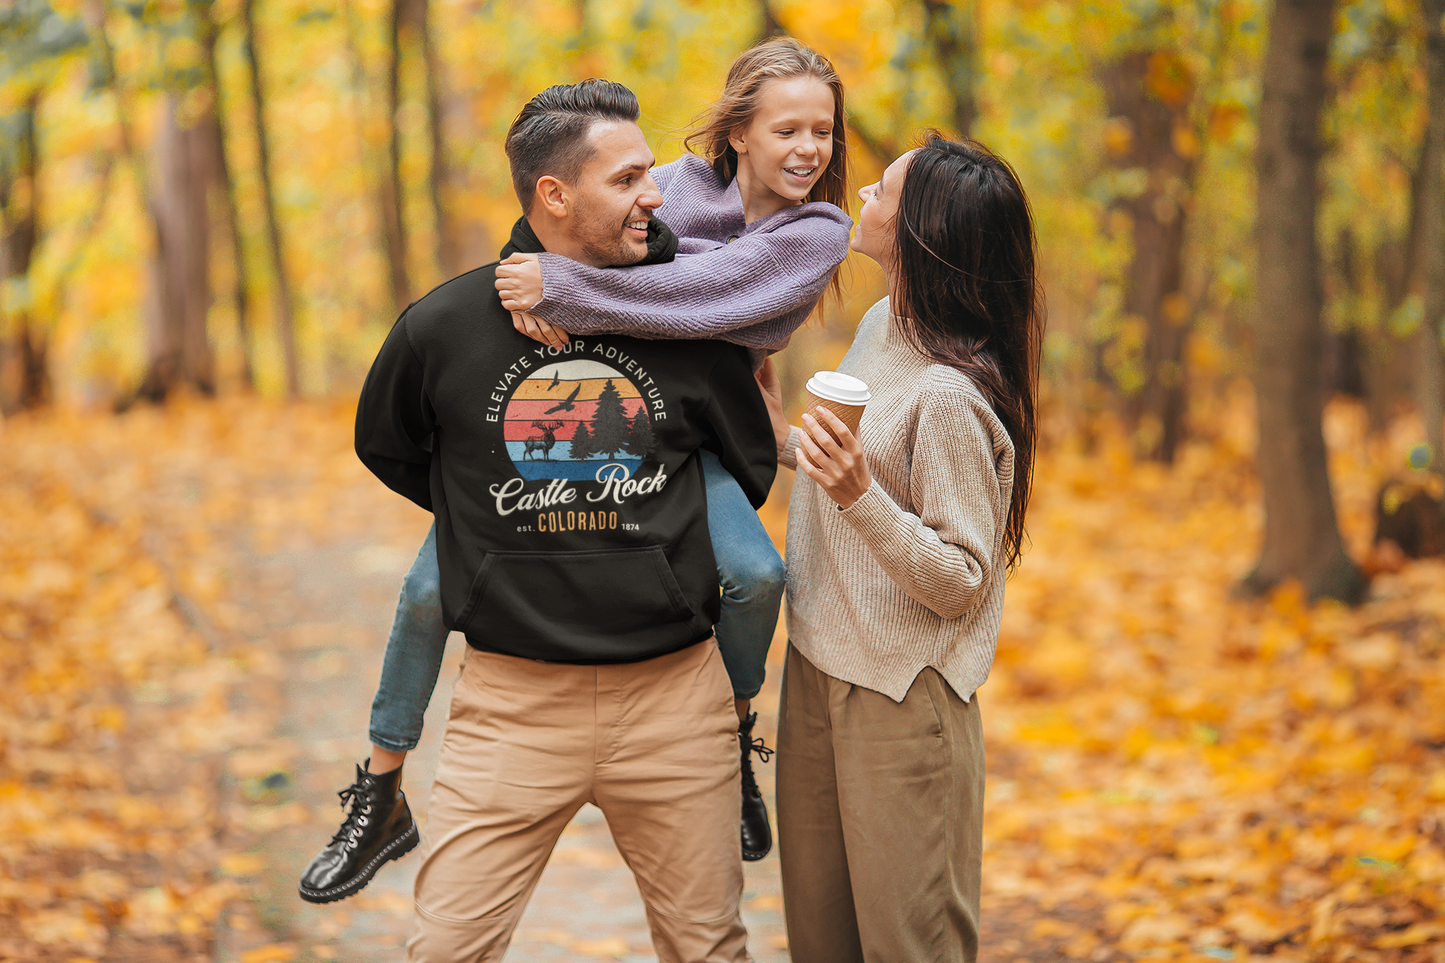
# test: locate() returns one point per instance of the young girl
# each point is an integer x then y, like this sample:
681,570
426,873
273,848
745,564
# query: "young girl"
763,233
899,541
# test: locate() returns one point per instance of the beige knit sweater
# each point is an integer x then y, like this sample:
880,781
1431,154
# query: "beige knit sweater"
911,574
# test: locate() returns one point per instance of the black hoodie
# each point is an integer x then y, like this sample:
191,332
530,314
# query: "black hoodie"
570,511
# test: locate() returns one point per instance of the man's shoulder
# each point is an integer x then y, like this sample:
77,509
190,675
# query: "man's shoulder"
464,288
717,356
694,356
465,298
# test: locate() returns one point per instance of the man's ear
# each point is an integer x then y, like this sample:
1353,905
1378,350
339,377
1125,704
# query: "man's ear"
552,195
738,140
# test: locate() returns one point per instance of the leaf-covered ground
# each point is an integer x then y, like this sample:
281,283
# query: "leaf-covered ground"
1173,772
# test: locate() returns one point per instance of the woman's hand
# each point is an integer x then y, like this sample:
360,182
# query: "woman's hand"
836,464
773,396
519,282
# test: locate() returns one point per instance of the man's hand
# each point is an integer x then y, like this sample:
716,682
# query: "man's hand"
519,282
837,464
773,396
538,330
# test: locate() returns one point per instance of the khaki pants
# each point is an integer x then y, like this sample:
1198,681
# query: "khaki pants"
653,744
880,820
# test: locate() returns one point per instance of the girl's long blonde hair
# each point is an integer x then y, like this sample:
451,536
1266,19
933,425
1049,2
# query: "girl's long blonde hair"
780,58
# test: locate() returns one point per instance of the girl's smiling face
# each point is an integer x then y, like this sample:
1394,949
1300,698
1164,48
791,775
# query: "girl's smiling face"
789,142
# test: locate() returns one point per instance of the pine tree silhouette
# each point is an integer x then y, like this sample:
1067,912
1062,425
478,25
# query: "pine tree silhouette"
610,429
582,442
640,439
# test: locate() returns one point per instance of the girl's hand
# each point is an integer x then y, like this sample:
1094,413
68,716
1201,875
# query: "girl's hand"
538,330
836,464
773,396
519,282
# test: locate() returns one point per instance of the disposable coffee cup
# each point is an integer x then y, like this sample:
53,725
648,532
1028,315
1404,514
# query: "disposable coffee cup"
843,395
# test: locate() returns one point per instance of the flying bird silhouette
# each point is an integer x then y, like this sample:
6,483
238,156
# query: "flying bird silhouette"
555,376
565,405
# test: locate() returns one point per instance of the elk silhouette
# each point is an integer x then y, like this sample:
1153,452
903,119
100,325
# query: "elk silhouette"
545,443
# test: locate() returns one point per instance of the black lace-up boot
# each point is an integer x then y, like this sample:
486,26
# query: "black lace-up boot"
757,834
377,828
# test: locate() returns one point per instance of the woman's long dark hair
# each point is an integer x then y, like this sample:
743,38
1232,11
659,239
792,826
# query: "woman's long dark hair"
966,293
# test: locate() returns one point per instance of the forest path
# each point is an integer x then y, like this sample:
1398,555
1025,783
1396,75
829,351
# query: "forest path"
286,557
329,607
1172,773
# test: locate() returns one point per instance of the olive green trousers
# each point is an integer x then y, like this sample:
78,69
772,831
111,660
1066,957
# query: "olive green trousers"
880,820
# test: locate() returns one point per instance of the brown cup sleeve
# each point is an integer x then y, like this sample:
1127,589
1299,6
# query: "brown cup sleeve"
850,415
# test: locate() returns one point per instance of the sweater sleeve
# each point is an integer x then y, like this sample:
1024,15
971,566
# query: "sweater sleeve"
395,419
942,557
737,427
788,454
754,291
664,174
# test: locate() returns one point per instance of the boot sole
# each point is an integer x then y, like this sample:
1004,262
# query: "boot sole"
395,849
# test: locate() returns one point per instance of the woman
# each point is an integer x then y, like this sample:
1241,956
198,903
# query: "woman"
763,233
899,540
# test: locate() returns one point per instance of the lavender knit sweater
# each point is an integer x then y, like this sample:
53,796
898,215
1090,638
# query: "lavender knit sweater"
755,293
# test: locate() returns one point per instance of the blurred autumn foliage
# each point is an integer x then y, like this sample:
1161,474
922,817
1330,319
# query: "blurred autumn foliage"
245,193
211,211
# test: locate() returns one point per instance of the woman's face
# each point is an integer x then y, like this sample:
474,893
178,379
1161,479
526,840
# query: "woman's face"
790,141
874,233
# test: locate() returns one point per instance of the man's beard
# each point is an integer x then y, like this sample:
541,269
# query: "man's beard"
601,242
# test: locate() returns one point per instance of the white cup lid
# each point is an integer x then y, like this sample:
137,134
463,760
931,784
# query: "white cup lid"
836,386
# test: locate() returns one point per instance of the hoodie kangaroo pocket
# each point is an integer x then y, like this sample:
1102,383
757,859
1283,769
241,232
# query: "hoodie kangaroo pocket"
576,606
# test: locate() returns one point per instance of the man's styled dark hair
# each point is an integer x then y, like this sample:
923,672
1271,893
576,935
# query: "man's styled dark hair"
549,136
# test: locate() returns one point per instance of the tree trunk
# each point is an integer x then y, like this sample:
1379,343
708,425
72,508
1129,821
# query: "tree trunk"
180,300
233,218
1344,350
286,327
952,32
1153,135
1301,537
393,223
1430,385
413,18
25,375
769,27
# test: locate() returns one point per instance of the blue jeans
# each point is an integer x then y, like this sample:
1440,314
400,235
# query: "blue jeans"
748,567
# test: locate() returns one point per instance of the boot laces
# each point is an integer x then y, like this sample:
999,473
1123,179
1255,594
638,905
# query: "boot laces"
757,745
752,744
356,819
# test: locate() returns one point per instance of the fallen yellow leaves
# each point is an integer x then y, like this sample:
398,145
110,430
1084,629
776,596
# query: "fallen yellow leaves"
242,864
1174,772
1201,775
108,699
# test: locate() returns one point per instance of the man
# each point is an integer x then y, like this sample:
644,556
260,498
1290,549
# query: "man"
572,540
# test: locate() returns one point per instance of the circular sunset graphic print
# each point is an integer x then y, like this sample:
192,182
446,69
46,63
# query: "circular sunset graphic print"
567,419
